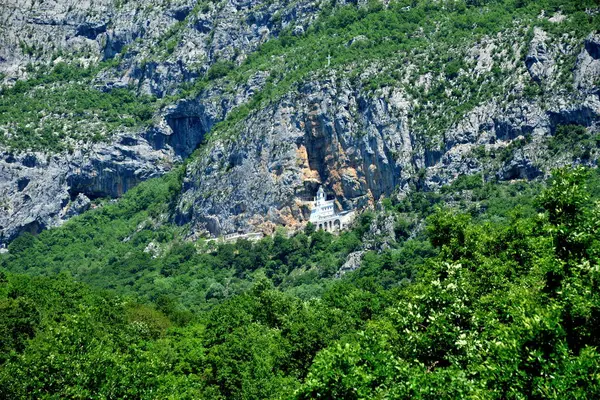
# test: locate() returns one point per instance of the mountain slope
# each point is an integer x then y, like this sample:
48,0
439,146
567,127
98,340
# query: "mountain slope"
369,100
134,132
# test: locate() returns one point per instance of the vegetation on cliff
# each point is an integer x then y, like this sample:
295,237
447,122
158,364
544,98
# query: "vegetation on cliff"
60,109
400,44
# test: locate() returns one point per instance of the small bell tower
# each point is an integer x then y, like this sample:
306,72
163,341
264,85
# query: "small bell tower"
320,199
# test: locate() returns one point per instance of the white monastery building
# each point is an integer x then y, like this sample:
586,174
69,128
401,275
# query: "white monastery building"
324,216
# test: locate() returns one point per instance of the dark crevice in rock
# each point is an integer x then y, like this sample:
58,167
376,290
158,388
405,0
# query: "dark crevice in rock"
129,141
188,133
100,181
584,116
91,30
519,167
116,41
29,161
316,149
180,14
203,26
22,184
592,46
92,195
189,123
236,159
509,131
34,228
432,157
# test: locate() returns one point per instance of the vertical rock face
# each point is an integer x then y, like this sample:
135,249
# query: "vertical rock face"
587,73
360,145
198,33
38,191
360,148
327,134
539,61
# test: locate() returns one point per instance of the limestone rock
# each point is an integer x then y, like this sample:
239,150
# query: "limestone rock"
38,191
326,134
587,71
81,204
519,167
353,262
539,61
328,130
359,146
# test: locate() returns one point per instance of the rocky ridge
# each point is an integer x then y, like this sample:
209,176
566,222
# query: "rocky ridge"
89,32
160,45
362,147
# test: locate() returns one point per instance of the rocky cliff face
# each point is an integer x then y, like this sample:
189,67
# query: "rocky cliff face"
331,129
361,146
160,45
329,133
40,190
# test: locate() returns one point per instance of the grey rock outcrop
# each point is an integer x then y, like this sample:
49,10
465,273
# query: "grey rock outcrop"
326,134
38,191
361,147
539,61
331,130
353,262
161,43
587,71
519,167
81,204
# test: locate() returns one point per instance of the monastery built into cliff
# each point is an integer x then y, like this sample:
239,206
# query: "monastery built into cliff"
324,215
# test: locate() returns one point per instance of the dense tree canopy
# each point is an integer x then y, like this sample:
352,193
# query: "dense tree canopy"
477,305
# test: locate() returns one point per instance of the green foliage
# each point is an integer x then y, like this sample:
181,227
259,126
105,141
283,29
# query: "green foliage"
453,68
19,319
491,304
501,312
574,139
494,295
430,34
59,106
82,345
219,69
111,248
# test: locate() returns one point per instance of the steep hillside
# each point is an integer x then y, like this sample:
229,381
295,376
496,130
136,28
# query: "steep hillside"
79,119
370,100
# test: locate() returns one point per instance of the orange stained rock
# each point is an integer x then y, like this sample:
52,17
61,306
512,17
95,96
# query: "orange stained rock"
337,189
350,172
307,173
288,217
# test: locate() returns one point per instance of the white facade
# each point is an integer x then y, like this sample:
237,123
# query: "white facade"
324,216
234,237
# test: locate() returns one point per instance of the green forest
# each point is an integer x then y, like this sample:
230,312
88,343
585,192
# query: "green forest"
494,298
